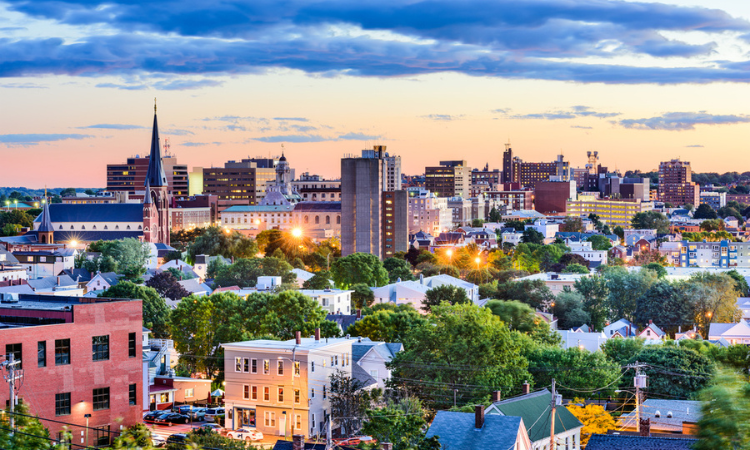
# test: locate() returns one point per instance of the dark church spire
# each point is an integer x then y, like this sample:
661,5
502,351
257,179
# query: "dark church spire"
46,224
155,176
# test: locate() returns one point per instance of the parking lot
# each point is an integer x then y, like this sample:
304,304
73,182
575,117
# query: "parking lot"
165,430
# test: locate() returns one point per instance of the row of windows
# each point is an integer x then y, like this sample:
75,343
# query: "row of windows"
250,365
250,392
83,227
100,400
99,350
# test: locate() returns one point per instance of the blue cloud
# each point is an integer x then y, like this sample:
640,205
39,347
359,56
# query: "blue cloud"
294,138
502,38
694,146
177,132
290,119
573,113
680,121
581,127
199,144
359,137
113,126
33,139
441,117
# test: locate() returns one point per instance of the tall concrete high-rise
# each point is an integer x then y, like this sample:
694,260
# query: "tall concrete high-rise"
373,218
676,183
508,164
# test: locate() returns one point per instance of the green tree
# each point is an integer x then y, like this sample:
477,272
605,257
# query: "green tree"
657,268
712,225
595,299
321,280
167,286
599,242
358,268
245,271
127,257
619,231
349,401
569,310
453,295
704,211
362,296
17,217
387,325
404,429
398,268
725,418
575,268
739,282
155,309
32,435
625,288
621,351
516,315
650,220
572,368
229,244
135,436
674,371
531,236
666,306
10,229
534,293
713,298
495,216
572,225
283,314
465,336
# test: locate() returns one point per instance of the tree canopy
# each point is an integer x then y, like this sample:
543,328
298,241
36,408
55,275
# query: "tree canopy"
358,268
155,309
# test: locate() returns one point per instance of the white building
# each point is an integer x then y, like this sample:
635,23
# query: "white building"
582,340
429,213
46,263
62,286
585,250
102,282
513,237
546,228
414,292
372,357
281,387
11,271
335,301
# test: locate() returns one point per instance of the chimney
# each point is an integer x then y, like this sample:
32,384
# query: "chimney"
386,446
650,321
496,396
359,314
317,334
58,281
526,387
478,416
298,442
421,279
298,337
645,427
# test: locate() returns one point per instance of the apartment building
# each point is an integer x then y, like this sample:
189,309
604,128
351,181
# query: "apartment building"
238,182
449,179
428,212
676,185
335,301
80,357
715,254
282,388
131,177
611,211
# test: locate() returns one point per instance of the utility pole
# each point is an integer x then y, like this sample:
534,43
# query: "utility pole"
11,377
329,442
552,405
639,382
454,397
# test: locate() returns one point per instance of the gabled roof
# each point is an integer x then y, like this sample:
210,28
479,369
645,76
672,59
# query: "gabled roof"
654,328
80,275
194,286
344,321
733,329
110,277
620,442
386,350
456,431
682,411
51,282
534,409
361,375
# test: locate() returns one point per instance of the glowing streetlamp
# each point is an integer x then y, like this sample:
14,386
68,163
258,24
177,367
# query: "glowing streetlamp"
450,256
478,260
297,232
73,243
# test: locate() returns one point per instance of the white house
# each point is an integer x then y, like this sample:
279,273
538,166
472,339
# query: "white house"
652,334
372,357
61,285
743,304
622,328
582,340
102,281
46,263
735,333
414,292
335,301
547,229
511,237
585,250
267,283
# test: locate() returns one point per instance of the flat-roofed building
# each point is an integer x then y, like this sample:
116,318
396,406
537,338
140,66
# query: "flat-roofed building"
611,211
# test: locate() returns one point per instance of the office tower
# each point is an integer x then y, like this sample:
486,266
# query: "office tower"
237,183
449,179
508,164
676,183
394,233
130,177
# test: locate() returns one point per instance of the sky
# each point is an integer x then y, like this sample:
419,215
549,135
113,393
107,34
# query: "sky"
640,82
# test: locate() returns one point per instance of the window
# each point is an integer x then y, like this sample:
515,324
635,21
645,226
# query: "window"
280,367
270,418
296,396
62,404
281,394
296,368
266,367
15,350
101,399
189,393
41,354
254,393
312,366
131,345
100,348
266,394
62,352
238,364
312,393
324,391
253,366
374,373
312,422
331,360
246,365
298,420
246,392
133,397
337,360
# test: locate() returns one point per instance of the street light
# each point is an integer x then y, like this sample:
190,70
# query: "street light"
297,232
87,416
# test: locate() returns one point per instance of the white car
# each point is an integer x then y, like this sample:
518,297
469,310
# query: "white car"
246,434
211,413
158,441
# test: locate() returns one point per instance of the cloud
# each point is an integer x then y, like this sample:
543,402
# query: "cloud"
680,121
294,138
694,146
581,127
199,144
532,39
573,113
113,126
359,137
290,119
33,139
441,117
177,132
22,86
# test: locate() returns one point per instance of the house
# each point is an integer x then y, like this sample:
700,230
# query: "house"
585,249
666,416
303,275
511,237
622,328
60,286
181,266
81,276
743,304
335,301
46,263
631,236
194,286
270,381
344,321
653,334
545,228
467,431
735,333
556,282
372,356
102,281
159,359
589,341
267,283
533,408
414,292
11,271
622,442
422,239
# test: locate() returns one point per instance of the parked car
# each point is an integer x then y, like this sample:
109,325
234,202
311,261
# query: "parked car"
216,428
355,440
197,414
177,439
158,441
246,434
183,409
153,416
172,418
213,412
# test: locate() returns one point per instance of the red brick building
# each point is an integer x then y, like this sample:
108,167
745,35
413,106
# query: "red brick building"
79,356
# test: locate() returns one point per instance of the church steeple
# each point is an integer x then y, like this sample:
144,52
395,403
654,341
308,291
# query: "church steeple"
46,231
155,175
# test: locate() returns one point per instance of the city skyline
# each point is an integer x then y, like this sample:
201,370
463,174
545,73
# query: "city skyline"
550,77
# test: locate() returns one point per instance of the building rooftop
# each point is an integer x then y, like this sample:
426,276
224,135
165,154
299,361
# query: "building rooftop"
307,344
104,212
318,206
620,442
680,410
533,409
456,431
258,208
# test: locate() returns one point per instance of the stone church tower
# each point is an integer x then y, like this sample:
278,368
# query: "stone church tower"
156,215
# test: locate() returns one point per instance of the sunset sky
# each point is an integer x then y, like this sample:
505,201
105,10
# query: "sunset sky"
640,82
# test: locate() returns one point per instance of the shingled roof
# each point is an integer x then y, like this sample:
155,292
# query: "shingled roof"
620,442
